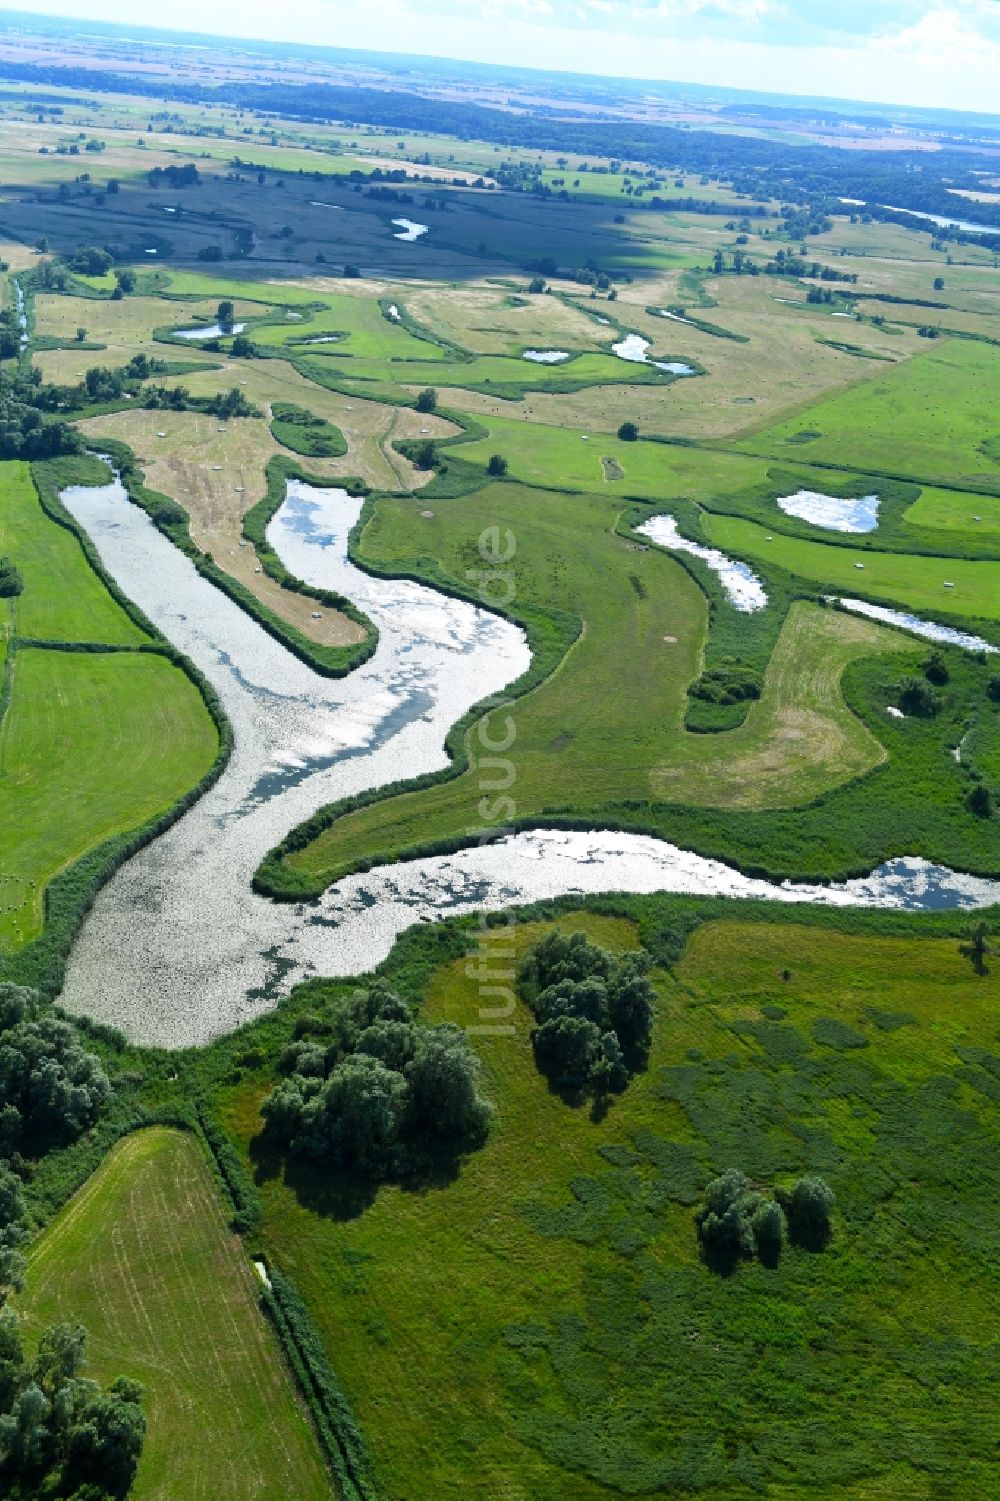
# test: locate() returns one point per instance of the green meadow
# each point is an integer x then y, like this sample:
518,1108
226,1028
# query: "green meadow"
928,420
93,743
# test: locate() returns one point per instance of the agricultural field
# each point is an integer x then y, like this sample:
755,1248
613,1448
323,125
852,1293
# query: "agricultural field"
550,623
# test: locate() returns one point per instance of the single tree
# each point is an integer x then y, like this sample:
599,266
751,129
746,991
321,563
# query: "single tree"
980,801
808,1209
628,432
427,400
977,947
497,465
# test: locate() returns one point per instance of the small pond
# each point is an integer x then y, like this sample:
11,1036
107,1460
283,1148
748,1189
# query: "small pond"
633,348
213,331
837,513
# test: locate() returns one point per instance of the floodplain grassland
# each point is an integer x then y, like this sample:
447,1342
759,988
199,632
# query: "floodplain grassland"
542,1325
744,384
143,1257
91,745
217,476
927,421
608,722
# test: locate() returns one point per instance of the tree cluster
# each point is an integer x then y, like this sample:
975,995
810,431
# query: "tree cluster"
24,431
51,1090
740,1220
594,1008
90,260
379,1094
174,177
225,404
60,1434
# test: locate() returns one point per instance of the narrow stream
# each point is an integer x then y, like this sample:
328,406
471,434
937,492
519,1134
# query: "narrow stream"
177,947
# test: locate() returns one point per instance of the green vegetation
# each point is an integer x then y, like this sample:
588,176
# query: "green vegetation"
937,586
305,433
60,1435
381,1096
62,598
134,730
595,1011
221,1409
926,420
789,1050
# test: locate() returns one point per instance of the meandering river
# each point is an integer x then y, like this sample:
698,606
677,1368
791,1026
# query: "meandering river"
178,948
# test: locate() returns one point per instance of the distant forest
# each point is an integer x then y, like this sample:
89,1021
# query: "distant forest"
818,175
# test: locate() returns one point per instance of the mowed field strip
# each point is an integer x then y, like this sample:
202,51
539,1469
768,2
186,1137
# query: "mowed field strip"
143,1257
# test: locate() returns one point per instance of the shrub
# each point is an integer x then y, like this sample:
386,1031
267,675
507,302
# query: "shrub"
936,669
980,801
725,1220
730,683
917,697
11,581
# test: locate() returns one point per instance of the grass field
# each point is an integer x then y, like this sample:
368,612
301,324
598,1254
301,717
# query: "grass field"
91,745
925,421
63,599
901,578
951,510
609,722
799,739
143,1257
542,1327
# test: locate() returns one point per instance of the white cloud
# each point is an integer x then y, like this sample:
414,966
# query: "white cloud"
943,37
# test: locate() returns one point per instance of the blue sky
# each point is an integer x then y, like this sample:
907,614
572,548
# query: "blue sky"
929,52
